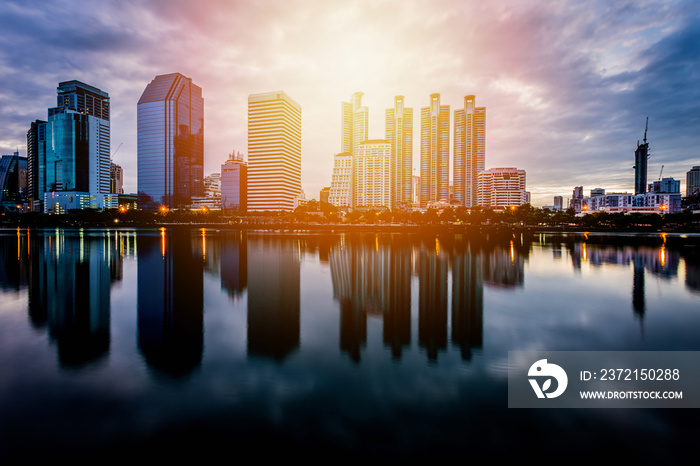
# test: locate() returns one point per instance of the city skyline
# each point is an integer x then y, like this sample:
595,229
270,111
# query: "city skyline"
568,88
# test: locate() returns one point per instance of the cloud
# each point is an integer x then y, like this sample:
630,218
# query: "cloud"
567,85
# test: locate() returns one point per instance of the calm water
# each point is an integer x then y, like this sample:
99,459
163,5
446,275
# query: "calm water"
202,341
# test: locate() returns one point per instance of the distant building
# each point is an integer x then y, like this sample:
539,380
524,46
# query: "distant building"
324,194
692,182
372,174
170,128
576,202
116,179
274,151
665,185
435,152
558,203
597,192
501,188
641,155
234,175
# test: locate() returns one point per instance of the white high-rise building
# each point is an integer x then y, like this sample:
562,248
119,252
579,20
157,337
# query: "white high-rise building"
399,133
435,152
341,182
274,151
502,188
372,174
469,150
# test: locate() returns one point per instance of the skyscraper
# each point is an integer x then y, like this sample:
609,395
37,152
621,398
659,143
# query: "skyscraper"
640,165
36,164
274,151
399,133
372,174
692,182
435,152
355,122
170,126
77,146
469,150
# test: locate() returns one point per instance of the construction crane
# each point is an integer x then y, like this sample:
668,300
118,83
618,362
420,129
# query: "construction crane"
662,170
115,151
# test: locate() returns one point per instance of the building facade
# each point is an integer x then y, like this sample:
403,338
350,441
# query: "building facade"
13,183
435,152
116,179
36,165
341,181
641,156
170,127
692,182
469,151
399,133
372,174
354,123
274,151
502,188
77,146
234,174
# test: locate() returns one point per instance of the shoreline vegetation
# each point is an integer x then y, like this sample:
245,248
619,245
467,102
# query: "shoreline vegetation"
523,219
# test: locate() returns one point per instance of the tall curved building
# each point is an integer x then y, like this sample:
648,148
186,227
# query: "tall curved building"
170,126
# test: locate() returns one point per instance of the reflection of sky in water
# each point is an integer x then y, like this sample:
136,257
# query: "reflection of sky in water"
538,296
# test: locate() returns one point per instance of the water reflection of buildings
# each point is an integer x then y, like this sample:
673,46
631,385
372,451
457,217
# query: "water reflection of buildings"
273,295
661,262
68,276
432,298
467,300
234,262
170,301
504,268
372,276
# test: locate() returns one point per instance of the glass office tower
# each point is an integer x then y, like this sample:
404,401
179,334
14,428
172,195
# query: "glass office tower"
77,141
170,125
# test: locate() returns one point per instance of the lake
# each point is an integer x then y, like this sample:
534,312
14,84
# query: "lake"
170,342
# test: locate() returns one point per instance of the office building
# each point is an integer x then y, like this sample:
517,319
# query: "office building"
692,182
233,183
274,151
170,126
502,188
36,165
399,133
434,152
469,151
77,162
372,174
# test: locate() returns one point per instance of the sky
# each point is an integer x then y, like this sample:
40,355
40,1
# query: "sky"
567,85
